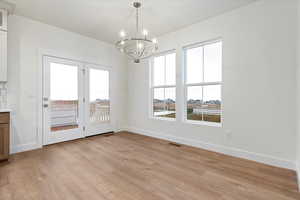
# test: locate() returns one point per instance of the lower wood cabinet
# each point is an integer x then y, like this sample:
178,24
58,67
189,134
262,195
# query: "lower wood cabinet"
4,135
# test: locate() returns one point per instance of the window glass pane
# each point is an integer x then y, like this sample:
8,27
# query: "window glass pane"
159,71
194,62
212,103
194,103
99,96
170,100
171,69
158,102
63,97
213,62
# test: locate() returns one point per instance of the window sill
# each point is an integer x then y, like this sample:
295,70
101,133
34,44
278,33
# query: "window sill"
163,119
204,123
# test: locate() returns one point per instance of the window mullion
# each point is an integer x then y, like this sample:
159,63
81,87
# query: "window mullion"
202,102
165,81
203,63
164,86
203,80
204,84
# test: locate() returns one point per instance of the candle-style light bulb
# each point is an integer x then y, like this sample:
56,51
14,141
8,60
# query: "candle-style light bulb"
145,32
140,45
122,34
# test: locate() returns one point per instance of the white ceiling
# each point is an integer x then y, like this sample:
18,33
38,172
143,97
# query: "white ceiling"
103,19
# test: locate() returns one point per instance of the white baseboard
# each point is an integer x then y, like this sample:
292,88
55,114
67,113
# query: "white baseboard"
24,147
269,160
31,146
261,158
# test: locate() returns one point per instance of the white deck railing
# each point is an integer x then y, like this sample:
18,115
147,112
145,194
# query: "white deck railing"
66,113
101,113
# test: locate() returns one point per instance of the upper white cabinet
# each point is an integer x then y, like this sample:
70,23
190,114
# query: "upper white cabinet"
3,56
3,45
3,19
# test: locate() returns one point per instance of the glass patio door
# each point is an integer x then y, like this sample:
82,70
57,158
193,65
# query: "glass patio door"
98,104
76,100
63,109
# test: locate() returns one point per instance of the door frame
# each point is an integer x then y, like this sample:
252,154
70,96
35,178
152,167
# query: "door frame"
39,99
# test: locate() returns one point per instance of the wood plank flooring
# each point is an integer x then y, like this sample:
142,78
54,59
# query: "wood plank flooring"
127,166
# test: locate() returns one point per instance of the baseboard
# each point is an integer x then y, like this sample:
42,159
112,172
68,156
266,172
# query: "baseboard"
261,158
24,147
31,146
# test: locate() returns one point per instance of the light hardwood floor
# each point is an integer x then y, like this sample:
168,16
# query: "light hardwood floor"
126,166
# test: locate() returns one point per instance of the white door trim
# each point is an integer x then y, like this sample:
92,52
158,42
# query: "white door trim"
57,54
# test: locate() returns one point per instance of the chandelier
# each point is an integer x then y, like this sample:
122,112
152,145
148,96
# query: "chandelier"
138,46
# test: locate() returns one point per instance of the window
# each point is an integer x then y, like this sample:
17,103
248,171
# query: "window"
163,86
203,82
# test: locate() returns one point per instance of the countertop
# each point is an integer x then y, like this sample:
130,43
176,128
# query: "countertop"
2,110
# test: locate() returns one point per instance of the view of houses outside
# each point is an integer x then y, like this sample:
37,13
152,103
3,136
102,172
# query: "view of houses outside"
165,108
196,109
209,111
164,102
204,103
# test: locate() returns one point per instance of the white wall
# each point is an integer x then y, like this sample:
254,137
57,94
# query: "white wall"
259,84
298,96
25,39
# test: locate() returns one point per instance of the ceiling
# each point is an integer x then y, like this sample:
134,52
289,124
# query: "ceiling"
103,19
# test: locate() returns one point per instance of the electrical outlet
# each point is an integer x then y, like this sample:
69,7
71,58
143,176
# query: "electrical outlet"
228,134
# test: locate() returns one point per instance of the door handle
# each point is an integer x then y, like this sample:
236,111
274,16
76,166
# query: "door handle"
45,105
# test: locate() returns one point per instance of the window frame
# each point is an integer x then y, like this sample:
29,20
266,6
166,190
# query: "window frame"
203,83
152,87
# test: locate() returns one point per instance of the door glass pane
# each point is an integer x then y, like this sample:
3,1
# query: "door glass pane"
63,96
194,62
99,96
212,103
194,103
213,62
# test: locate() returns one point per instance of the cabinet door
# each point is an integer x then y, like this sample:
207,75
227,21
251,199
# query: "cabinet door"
3,19
4,141
3,56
